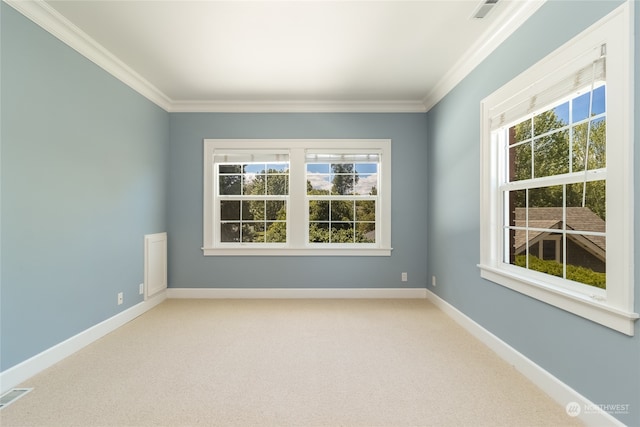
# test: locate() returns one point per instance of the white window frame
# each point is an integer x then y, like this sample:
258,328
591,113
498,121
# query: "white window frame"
614,307
297,211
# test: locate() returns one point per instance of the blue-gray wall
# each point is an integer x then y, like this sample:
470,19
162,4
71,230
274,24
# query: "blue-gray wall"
83,178
188,268
601,364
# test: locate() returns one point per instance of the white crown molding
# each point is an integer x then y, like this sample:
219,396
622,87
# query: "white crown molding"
297,107
516,12
50,20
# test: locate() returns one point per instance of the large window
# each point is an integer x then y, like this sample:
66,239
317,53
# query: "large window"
252,192
557,211
297,197
342,195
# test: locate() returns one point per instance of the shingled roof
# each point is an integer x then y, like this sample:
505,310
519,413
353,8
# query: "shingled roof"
578,219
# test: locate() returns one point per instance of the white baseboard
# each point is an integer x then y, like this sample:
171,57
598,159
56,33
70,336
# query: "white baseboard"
589,413
228,293
36,364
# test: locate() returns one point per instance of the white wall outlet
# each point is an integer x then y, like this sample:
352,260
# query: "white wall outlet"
404,276
120,298
433,281
141,288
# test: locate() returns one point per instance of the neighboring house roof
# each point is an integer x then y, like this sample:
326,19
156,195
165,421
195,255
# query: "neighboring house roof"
578,219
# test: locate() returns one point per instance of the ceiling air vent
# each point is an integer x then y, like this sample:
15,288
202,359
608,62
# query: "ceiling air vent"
484,9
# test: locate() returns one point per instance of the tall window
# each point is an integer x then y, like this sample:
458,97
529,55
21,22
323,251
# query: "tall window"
342,195
555,185
297,197
556,178
252,192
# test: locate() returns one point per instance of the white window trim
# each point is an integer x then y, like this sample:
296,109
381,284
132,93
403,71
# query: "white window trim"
296,214
615,307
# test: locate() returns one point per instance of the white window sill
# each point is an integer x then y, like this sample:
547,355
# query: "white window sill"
297,252
577,303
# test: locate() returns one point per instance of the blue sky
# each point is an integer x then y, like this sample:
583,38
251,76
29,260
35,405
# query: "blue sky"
581,106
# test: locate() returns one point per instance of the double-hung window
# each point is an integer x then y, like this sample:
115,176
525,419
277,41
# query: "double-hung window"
342,197
556,178
297,197
252,191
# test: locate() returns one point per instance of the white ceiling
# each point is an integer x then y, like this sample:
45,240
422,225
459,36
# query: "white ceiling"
207,54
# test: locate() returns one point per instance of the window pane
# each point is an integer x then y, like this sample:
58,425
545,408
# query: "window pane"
229,210
253,232
365,217
277,185
366,232
365,210
366,168
586,260
277,168
599,100
545,253
591,216
581,104
545,197
230,169
253,168
516,208
229,185
319,232
342,178
520,132
343,184
597,149
552,119
275,210
342,232
276,232
253,210
516,217
341,210
551,154
520,162
230,232
255,184
318,183
323,168
318,210
366,184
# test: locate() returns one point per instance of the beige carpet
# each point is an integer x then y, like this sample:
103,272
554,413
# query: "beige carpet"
285,363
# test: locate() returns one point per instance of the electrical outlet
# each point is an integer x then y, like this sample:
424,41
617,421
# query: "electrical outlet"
120,298
433,281
141,288
404,276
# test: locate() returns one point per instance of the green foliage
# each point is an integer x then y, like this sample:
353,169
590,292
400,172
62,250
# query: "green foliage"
552,156
345,178
554,268
339,233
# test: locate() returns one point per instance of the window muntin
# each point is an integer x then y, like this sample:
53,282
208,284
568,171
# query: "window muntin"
257,199
342,195
558,229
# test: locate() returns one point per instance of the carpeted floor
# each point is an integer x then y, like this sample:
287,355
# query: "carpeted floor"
285,363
